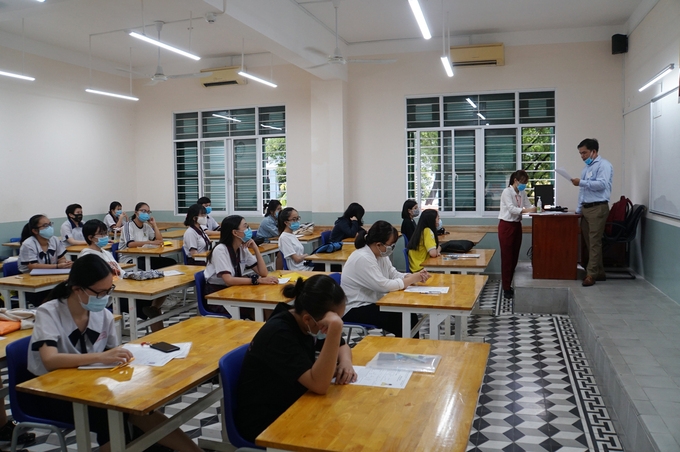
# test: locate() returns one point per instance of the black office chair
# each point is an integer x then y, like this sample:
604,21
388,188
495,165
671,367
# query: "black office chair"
624,232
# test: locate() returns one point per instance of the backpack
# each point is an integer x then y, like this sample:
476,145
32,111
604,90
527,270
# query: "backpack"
328,248
457,246
618,213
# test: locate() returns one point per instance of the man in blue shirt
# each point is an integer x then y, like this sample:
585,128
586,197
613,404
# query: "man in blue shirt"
595,187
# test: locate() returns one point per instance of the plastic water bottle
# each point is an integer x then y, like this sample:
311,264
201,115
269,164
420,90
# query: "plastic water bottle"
539,205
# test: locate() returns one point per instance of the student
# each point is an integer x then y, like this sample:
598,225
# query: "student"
291,249
72,228
75,329
139,231
212,224
424,242
116,218
369,274
269,227
347,226
195,239
279,365
39,247
409,211
514,203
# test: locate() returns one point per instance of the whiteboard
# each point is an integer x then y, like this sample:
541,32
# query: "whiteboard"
665,156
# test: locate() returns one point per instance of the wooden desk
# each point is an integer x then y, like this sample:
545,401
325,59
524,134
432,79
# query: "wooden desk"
165,225
350,240
433,413
267,250
174,234
463,265
142,389
26,283
260,297
555,245
14,246
337,257
455,234
148,253
152,289
463,293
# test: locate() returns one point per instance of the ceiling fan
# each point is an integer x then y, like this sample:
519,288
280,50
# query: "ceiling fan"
336,57
159,75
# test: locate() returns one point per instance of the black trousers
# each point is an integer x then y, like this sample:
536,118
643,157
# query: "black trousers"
371,314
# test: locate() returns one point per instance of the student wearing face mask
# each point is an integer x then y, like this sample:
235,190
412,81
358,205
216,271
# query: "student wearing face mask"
424,242
97,237
139,231
291,248
72,228
39,246
514,203
269,227
116,218
75,329
212,225
369,274
409,211
280,364
195,239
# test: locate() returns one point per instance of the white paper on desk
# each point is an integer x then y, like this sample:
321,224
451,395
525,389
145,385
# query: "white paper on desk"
172,273
427,289
283,280
382,378
462,256
50,271
147,356
562,172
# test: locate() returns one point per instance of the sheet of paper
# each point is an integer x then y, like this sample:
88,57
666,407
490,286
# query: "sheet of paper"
283,280
562,172
50,271
427,289
462,256
394,379
147,356
172,273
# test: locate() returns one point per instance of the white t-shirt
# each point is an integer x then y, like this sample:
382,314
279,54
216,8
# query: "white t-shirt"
220,262
54,325
366,279
32,253
212,225
512,204
107,256
133,233
289,244
71,230
196,241
109,221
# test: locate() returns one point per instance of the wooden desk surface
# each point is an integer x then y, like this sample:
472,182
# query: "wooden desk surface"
474,237
25,281
316,235
265,293
433,413
141,389
174,234
150,287
165,225
482,261
463,293
176,247
12,244
336,256
264,248
11,337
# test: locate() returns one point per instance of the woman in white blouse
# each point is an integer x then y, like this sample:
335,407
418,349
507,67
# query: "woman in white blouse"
196,240
514,203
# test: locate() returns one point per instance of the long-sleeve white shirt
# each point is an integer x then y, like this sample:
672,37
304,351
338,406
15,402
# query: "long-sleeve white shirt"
512,204
366,279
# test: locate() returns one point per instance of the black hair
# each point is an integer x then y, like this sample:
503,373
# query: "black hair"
203,200
380,232
284,216
426,220
271,206
27,231
408,205
195,210
92,227
71,209
316,296
589,143
112,207
354,210
85,272
137,207
519,175
229,224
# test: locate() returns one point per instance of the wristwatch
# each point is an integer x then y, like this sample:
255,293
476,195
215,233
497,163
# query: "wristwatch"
255,279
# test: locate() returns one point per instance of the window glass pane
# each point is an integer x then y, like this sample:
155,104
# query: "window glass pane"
459,112
538,156
465,170
411,179
500,151
186,126
214,164
430,169
245,124
422,112
245,175
274,169
272,120
447,172
497,108
537,107
186,160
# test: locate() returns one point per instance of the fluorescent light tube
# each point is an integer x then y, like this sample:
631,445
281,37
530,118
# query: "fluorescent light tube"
226,117
447,66
13,75
667,70
105,93
420,18
163,45
270,127
481,116
471,103
257,79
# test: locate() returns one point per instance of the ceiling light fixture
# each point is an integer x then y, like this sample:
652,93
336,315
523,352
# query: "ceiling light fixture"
667,70
445,56
243,72
107,93
13,75
481,116
471,103
162,45
23,60
226,117
420,18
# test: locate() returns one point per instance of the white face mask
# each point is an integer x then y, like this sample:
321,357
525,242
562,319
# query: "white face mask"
202,221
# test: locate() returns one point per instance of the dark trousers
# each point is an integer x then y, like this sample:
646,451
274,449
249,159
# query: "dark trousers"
371,314
510,239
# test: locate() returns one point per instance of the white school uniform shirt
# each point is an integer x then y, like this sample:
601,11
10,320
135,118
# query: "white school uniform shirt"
512,204
109,221
133,233
193,240
212,225
69,229
107,256
289,244
32,253
54,326
366,279
220,262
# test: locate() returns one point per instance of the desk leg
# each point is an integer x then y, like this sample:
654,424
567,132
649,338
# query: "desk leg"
259,315
132,310
7,298
116,431
82,424
327,267
22,299
461,328
147,262
406,325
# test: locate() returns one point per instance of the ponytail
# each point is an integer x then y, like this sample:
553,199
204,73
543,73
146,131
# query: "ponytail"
316,296
380,232
360,241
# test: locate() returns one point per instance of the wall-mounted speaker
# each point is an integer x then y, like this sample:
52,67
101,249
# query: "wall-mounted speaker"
619,44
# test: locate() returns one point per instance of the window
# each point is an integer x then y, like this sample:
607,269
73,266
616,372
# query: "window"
235,157
461,150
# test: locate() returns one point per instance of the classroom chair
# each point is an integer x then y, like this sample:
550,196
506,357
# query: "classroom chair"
408,266
10,268
326,237
230,370
405,241
199,277
184,257
17,366
285,264
349,327
114,250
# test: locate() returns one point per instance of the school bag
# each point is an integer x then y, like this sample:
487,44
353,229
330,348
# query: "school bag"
457,246
328,248
618,213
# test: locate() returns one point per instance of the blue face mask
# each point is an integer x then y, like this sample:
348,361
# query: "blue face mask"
118,212
102,242
276,214
589,160
208,210
294,226
47,233
144,217
319,336
247,235
522,187
95,304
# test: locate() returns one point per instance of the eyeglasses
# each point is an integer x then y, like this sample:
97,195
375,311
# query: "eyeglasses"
144,211
46,225
295,219
103,293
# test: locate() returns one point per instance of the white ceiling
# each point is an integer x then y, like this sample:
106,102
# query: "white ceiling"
295,31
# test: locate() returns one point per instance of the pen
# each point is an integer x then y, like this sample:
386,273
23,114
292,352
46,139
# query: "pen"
121,365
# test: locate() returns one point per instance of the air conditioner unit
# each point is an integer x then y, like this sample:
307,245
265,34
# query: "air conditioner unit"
223,76
478,55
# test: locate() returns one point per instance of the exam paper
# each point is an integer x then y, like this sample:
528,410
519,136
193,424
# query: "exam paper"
50,271
427,289
462,256
147,356
283,280
562,172
172,273
382,378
